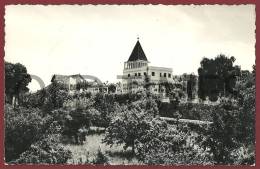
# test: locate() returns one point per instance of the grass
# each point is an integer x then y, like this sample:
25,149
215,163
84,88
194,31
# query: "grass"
87,152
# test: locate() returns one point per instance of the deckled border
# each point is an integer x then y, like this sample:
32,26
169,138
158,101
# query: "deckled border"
124,2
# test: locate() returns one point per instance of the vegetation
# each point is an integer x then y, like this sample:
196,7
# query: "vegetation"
217,77
125,127
16,81
42,121
37,134
47,150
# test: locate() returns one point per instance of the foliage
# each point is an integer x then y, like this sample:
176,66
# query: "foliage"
16,81
77,116
167,109
191,84
173,91
243,155
105,105
22,127
128,98
32,137
222,134
196,111
57,95
74,122
47,150
192,111
234,125
82,85
164,145
128,125
217,76
246,103
100,158
111,88
52,97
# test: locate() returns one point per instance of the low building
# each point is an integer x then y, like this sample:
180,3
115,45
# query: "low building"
70,81
78,83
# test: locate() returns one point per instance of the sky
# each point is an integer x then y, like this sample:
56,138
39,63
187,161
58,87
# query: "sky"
98,39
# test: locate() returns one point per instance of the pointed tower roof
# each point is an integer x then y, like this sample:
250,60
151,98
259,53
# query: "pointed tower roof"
137,53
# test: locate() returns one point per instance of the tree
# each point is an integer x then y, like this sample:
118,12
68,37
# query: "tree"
222,134
57,95
34,100
105,105
217,76
246,102
233,127
16,81
111,88
191,84
76,121
128,125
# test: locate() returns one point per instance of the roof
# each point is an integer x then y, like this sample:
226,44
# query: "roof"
65,77
137,53
58,77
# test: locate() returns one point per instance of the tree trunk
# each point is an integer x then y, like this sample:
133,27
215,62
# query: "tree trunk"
133,149
14,100
224,88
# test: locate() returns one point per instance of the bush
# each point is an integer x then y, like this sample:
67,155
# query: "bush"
164,145
22,128
100,158
31,137
168,109
47,150
196,111
47,99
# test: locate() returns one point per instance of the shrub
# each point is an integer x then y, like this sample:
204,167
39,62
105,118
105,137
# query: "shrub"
196,111
100,158
164,145
47,150
22,128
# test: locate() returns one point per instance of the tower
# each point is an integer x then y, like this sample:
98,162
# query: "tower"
136,70
137,58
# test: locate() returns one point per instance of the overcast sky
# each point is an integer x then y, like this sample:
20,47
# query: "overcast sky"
97,40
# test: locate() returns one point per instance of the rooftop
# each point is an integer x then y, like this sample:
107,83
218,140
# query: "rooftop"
137,53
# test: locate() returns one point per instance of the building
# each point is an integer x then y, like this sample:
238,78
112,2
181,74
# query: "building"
70,81
77,83
137,73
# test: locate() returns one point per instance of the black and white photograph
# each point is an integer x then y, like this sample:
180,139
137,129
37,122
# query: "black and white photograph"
130,84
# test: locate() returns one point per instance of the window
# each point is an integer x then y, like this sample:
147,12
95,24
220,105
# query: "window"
135,74
145,73
139,74
164,74
128,75
160,74
153,73
169,75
